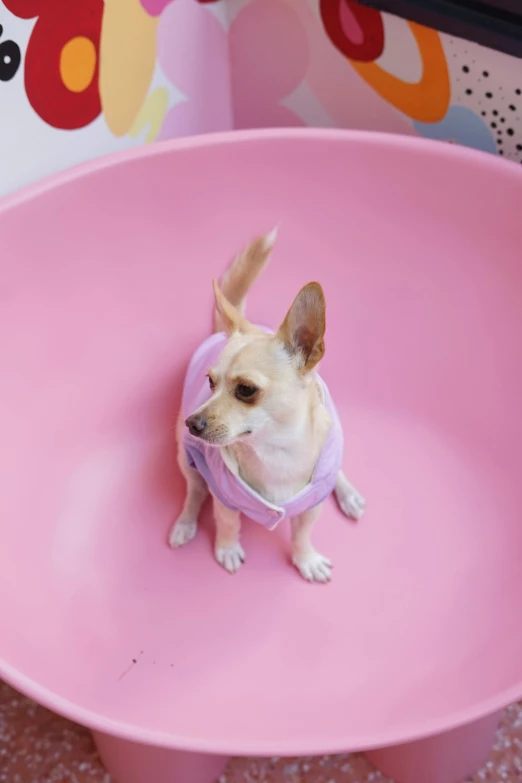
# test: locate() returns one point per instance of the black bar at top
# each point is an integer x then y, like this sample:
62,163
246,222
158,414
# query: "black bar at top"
493,23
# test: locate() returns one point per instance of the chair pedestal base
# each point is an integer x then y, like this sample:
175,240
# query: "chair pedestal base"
446,758
131,762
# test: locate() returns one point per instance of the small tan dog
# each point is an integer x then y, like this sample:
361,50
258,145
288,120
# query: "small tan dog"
258,427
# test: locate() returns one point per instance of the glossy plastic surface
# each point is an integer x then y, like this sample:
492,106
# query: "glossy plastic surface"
106,289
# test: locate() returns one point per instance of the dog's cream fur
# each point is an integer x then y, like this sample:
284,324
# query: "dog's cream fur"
273,437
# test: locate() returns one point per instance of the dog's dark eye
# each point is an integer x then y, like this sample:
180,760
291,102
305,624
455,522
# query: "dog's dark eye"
244,392
211,382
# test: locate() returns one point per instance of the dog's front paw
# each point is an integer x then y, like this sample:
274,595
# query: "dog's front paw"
313,567
350,501
182,531
231,557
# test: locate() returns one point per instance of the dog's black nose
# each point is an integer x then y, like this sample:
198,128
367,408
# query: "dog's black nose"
197,425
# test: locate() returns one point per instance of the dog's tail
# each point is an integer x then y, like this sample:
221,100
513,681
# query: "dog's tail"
243,272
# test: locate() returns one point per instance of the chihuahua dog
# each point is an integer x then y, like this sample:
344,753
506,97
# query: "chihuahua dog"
258,428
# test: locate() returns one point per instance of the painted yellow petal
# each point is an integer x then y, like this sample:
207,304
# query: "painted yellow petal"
426,100
152,113
127,61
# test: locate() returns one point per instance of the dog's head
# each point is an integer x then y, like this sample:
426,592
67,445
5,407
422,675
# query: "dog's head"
260,381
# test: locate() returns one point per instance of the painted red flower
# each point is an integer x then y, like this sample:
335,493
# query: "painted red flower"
356,30
61,61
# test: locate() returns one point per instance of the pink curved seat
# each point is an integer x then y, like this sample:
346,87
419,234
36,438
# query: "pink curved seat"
106,289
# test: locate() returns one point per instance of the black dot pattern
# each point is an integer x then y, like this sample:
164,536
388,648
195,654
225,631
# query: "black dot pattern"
500,106
10,58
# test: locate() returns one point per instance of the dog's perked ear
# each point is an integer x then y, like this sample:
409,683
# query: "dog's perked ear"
302,331
230,319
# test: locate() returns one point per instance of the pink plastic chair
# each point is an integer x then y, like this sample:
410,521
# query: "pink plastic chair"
416,645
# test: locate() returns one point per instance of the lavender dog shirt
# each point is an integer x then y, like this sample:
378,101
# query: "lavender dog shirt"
230,489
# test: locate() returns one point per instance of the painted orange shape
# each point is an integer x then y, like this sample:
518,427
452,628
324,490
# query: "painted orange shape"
78,63
426,100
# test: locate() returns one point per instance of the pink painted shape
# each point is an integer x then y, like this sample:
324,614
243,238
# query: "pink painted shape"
192,117
193,53
266,115
106,276
268,60
349,23
155,7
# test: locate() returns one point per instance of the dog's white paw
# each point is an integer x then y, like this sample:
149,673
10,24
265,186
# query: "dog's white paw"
313,567
351,502
182,531
230,557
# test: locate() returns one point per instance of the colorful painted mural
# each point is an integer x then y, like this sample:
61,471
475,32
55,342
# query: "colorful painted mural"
80,79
